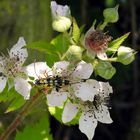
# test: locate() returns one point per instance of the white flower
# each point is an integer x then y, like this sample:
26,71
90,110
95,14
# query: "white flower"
59,10
96,43
11,67
92,112
79,85
61,17
77,76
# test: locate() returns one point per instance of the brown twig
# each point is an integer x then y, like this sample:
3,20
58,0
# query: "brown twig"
22,114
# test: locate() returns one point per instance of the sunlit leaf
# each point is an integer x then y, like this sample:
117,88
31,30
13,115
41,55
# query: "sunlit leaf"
115,44
75,31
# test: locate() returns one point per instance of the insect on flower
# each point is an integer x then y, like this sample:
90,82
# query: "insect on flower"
64,80
55,81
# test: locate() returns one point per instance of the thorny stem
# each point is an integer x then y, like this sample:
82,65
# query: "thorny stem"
22,114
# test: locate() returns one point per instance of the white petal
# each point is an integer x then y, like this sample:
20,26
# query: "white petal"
87,124
3,81
103,115
102,55
53,7
56,98
69,112
105,89
86,90
21,43
61,68
59,10
22,87
18,51
37,69
82,71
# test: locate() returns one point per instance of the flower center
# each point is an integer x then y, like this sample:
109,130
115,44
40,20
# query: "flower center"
97,41
11,66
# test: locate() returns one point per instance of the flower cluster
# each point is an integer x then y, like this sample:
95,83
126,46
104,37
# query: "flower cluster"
81,94
69,81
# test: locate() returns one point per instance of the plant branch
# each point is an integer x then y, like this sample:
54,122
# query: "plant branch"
22,114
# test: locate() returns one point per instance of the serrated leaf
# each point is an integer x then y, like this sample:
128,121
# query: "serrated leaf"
61,43
115,44
105,70
38,131
75,31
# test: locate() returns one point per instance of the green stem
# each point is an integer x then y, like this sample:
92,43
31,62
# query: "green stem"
102,26
114,59
22,114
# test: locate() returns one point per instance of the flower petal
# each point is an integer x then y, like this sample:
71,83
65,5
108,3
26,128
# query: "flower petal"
56,98
22,87
18,51
105,89
82,71
102,55
69,112
37,69
53,8
60,68
3,81
87,124
86,90
103,115
59,10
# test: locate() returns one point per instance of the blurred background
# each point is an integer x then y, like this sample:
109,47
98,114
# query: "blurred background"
32,19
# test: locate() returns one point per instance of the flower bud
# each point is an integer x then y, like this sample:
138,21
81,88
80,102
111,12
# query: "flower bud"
125,55
111,14
61,17
74,53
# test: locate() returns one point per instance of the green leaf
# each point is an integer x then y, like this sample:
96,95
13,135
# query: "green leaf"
105,70
15,99
115,44
38,131
56,112
16,103
51,59
61,43
42,46
75,31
